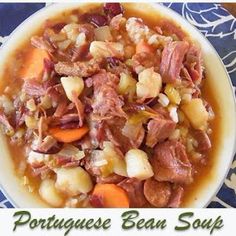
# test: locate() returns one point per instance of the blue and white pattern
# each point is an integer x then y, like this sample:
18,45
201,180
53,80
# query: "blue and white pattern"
211,19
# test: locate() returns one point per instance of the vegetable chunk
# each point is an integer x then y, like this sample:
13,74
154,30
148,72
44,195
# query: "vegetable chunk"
111,195
73,181
138,165
68,135
49,193
196,113
33,65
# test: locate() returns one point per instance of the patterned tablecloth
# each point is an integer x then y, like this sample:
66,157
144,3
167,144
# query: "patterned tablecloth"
211,19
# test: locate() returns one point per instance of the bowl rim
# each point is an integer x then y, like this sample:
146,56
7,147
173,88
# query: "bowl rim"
158,6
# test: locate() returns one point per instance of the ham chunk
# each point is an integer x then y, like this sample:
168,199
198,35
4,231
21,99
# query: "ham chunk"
194,63
134,189
114,133
159,130
157,193
106,101
172,60
81,69
204,143
170,163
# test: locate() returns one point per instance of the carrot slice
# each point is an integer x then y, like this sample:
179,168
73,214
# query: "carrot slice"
111,195
68,135
142,46
33,65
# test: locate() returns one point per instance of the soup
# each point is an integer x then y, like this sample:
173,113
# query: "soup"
107,107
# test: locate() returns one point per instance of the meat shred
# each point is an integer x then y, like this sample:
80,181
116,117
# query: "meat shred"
81,69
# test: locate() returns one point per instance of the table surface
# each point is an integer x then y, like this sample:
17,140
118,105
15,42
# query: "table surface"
212,20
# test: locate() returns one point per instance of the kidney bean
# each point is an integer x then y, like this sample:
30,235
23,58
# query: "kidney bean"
96,19
113,9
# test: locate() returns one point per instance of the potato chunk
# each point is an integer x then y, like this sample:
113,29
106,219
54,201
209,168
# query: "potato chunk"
172,94
106,49
103,33
196,113
118,163
149,84
109,160
71,30
72,84
73,181
49,193
127,85
138,165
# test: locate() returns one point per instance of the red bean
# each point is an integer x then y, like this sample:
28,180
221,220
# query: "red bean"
98,20
113,9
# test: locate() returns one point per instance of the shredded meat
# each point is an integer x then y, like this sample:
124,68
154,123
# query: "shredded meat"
170,163
159,130
18,118
34,88
134,189
49,145
82,69
116,66
41,43
157,193
4,120
117,137
106,101
61,108
90,167
172,60
80,108
41,171
97,133
69,118
193,63
80,53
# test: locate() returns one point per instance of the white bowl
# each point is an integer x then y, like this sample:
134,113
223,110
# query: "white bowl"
217,76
